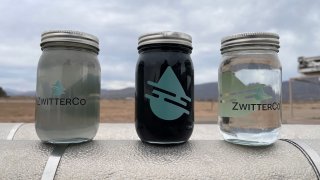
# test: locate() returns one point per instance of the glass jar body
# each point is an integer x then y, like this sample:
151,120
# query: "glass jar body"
67,95
250,97
164,110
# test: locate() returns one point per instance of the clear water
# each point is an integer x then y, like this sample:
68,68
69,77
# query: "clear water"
67,74
250,137
259,85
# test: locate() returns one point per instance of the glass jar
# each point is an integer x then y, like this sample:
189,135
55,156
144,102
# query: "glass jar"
250,89
68,87
164,111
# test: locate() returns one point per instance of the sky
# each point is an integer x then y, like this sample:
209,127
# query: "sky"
119,23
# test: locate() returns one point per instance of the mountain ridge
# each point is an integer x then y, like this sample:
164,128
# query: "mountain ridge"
208,91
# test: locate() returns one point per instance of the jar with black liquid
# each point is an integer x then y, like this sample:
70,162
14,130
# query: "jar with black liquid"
164,109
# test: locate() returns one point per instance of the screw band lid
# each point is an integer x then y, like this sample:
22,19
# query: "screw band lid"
165,37
250,41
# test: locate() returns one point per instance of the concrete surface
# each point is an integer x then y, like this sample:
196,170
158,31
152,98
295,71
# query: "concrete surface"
115,131
117,153
130,159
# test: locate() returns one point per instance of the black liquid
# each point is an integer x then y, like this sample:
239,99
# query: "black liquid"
153,62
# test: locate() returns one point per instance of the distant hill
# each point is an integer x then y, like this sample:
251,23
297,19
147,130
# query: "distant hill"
209,91
302,91
118,94
13,92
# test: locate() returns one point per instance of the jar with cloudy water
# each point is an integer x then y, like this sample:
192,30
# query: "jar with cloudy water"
250,89
68,87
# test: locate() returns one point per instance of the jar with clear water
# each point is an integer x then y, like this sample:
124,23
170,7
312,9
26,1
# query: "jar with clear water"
68,87
250,89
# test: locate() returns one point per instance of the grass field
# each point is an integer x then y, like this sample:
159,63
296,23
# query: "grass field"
22,110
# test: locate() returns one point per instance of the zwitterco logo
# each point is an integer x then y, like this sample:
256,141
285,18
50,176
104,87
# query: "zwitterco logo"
168,100
237,99
57,91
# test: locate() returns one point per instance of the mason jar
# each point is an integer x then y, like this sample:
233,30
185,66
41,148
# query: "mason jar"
250,88
68,87
164,110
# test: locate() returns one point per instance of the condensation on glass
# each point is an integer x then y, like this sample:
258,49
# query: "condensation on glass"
68,87
250,89
164,88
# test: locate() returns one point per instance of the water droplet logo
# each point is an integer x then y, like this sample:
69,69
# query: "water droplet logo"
168,100
57,89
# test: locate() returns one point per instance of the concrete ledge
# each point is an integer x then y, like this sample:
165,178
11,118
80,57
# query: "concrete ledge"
117,153
130,159
5,129
109,131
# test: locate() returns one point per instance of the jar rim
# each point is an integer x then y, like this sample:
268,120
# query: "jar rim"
69,36
165,37
250,41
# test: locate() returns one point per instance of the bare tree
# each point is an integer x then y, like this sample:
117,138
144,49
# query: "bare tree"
2,92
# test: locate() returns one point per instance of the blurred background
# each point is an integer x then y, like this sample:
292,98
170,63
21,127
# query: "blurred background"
119,23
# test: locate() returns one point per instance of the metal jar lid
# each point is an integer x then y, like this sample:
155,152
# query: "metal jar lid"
69,36
165,37
250,41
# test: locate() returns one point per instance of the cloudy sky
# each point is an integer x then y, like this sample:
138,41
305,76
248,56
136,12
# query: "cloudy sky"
118,24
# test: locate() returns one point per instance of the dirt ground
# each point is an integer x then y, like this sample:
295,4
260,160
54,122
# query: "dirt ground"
116,111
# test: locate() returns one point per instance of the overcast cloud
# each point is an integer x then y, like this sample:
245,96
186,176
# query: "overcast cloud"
118,24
